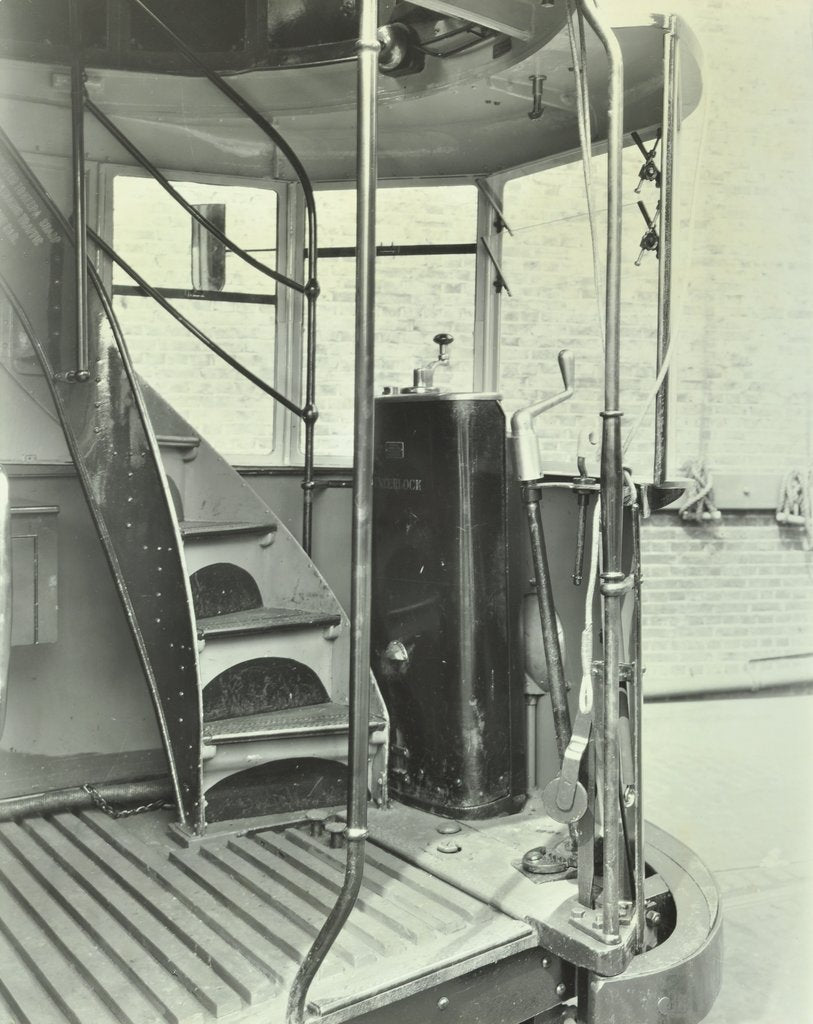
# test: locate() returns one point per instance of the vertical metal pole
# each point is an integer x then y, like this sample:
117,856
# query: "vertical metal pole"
81,373
5,593
611,474
310,413
637,709
487,299
361,577
667,202
356,832
547,618
531,704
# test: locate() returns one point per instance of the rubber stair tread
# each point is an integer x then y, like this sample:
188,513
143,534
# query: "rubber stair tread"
263,620
197,529
208,909
308,721
65,890
178,440
249,984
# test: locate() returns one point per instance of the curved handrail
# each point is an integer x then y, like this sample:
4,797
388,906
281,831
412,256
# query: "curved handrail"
154,294
164,182
310,290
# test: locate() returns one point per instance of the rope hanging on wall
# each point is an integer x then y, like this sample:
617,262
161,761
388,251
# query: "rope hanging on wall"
698,501
794,507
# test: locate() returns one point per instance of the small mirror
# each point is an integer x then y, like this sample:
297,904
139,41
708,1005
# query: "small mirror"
208,252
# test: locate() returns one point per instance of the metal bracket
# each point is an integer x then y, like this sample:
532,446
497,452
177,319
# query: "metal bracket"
500,222
499,282
591,921
614,583
537,85
649,171
650,241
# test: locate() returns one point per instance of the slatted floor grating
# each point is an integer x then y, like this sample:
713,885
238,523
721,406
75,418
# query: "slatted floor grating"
113,921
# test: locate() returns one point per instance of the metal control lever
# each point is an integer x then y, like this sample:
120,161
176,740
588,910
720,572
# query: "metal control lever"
565,798
526,449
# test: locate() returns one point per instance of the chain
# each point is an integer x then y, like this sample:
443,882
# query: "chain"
120,812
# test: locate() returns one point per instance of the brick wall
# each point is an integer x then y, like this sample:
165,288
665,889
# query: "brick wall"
721,596
716,596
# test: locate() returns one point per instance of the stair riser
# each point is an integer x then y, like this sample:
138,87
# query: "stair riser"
236,757
176,469
211,489
307,646
250,553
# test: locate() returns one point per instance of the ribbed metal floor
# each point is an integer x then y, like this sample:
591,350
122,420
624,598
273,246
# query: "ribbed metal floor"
109,921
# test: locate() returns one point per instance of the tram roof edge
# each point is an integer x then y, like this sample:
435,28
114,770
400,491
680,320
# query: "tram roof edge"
462,118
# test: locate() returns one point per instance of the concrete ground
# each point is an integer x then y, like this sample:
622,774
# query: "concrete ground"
733,779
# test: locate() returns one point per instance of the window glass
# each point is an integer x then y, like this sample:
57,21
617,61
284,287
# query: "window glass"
417,297
549,267
154,235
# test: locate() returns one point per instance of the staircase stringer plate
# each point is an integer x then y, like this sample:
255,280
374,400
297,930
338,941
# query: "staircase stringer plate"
108,433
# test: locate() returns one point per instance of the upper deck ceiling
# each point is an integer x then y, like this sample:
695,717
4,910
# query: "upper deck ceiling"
462,109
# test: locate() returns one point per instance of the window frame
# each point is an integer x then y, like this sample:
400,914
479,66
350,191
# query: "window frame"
109,172
285,454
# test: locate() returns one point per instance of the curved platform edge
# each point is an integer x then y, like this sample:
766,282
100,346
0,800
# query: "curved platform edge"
678,981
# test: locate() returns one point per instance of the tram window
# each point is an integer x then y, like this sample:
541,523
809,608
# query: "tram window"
425,276
153,234
554,305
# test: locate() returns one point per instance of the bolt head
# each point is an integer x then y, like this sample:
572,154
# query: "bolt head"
443,1003
561,988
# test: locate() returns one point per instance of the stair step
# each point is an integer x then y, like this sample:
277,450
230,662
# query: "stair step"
178,440
263,620
200,529
314,720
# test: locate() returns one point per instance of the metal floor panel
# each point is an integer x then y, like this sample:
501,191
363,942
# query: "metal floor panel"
109,921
